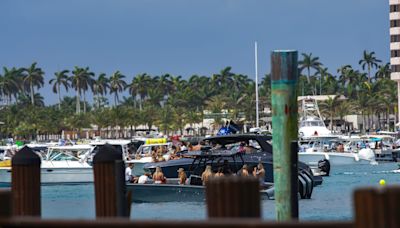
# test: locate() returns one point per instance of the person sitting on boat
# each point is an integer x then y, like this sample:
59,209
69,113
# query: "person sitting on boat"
340,148
128,172
144,178
220,172
190,147
158,176
244,172
182,176
205,176
183,146
259,172
198,146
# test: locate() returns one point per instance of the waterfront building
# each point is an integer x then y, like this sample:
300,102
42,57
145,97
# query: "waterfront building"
394,16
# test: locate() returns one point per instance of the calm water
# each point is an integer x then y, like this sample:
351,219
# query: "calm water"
331,201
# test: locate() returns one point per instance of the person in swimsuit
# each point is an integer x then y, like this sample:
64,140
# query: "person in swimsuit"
158,176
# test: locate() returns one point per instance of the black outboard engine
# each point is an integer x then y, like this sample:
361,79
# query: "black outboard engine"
325,166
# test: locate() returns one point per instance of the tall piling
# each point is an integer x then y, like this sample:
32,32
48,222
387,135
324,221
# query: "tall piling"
109,183
25,183
285,124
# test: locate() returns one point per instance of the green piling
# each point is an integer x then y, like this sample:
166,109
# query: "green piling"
285,128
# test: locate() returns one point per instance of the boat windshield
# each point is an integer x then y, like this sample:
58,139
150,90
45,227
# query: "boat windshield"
313,123
56,154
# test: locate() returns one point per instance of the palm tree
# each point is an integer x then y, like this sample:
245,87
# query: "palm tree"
60,79
33,76
370,61
309,63
329,107
322,71
9,83
139,87
100,87
383,71
81,79
117,84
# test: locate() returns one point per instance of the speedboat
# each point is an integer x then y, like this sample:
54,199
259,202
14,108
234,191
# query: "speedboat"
60,165
143,155
259,150
326,148
194,190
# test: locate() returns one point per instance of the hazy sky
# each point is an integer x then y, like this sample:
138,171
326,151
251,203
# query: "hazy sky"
186,37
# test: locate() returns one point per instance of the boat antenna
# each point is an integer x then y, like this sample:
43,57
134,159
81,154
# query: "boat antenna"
256,69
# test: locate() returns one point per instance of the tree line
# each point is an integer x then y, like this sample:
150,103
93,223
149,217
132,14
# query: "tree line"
171,102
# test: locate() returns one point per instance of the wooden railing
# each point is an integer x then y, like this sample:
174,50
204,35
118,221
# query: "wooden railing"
231,202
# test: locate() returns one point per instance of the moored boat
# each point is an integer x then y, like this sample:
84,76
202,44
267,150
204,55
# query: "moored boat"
60,165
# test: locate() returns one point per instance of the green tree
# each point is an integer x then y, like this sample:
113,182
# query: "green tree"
370,61
117,84
33,77
61,79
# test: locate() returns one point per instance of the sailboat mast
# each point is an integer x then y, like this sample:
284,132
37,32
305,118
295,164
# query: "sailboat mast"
256,68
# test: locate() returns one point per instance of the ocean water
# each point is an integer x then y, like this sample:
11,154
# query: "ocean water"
330,201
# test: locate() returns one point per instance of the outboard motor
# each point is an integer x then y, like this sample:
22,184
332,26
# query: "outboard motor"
325,166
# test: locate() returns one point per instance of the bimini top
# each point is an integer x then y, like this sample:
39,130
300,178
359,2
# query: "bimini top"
262,140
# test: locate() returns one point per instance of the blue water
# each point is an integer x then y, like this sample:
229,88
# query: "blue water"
330,201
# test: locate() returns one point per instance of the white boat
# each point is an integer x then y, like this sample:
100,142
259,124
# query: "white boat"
311,123
143,156
60,165
320,148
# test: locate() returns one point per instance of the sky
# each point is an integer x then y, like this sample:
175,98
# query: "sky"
186,37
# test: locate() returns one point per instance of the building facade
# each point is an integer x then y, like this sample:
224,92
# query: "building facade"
395,44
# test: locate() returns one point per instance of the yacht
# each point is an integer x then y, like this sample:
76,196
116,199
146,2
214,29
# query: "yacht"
60,165
311,123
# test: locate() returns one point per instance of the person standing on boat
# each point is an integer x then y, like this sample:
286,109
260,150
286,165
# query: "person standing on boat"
158,176
205,176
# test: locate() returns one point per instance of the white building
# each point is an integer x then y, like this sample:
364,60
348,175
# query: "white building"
395,44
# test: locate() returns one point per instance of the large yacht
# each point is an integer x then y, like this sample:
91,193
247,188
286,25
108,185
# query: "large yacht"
311,123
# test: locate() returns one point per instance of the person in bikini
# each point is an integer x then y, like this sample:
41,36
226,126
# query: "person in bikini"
158,176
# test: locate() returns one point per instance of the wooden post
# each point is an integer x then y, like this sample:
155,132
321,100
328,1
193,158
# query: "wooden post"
284,122
377,207
109,183
6,205
294,148
25,183
233,196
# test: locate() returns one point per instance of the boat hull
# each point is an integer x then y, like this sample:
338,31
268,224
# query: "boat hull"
152,193
312,158
54,176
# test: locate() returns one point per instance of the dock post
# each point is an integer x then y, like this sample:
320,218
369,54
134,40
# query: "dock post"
6,205
25,183
109,183
285,129
233,197
294,148
377,207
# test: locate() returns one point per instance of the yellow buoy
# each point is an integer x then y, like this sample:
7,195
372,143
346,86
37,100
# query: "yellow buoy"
382,182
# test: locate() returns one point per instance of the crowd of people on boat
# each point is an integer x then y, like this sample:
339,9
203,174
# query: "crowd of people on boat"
158,177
